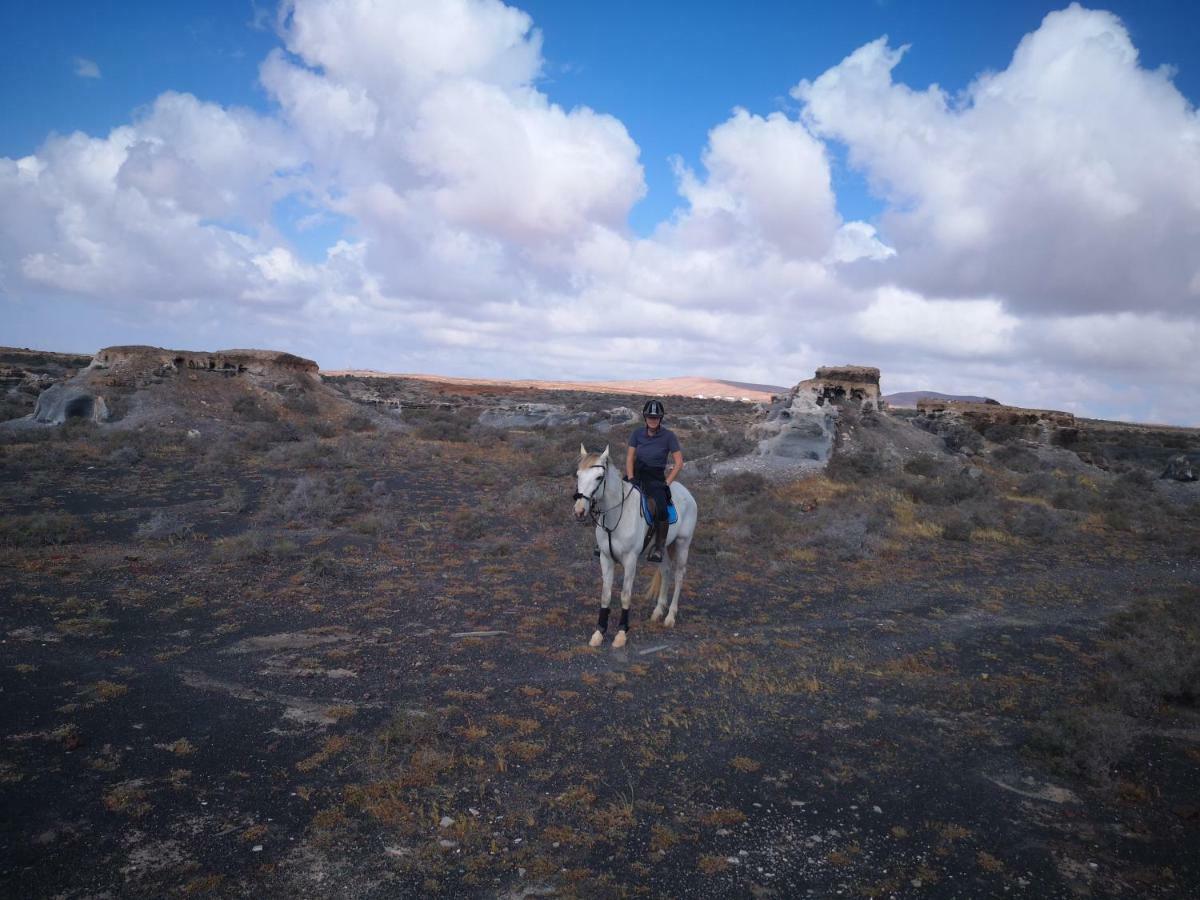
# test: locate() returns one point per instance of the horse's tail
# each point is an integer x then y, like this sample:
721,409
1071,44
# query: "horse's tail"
654,585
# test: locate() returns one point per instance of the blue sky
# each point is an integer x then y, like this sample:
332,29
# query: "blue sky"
419,186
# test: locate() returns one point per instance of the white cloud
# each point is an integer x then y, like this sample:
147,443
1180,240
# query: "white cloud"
1038,242
1069,181
768,177
86,68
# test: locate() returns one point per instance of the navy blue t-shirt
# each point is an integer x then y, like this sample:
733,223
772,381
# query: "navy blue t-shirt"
654,450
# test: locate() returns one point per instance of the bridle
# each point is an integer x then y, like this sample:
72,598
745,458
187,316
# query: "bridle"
599,516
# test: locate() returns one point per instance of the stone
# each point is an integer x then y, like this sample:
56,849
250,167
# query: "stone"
61,402
1180,468
447,822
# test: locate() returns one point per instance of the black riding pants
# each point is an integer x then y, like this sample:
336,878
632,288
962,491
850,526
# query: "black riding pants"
653,483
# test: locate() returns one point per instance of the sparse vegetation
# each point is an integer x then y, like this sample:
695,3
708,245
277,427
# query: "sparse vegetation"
390,625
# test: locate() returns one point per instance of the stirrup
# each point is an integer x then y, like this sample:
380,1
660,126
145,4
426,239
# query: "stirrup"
656,555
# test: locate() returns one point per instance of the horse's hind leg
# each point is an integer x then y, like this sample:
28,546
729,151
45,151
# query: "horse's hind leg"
681,554
606,572
663,581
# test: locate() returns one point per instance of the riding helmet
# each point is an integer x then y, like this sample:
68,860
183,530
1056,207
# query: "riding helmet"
654,408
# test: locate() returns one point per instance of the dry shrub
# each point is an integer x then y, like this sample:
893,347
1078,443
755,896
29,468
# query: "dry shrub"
435,424
1155,654
1087,741
744,484
252,409
321,499
468,525
48,529
302,403
165,525
254,545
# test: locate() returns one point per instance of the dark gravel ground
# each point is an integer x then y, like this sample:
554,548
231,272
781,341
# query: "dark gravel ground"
394,697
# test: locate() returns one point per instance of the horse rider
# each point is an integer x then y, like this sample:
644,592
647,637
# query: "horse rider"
650,447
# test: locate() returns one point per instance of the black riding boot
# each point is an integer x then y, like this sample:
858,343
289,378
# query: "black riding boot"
660,538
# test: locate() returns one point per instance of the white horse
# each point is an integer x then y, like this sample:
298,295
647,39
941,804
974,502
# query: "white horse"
621,536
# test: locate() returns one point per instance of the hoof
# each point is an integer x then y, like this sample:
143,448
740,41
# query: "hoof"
657,614
597,638
669,621
619,640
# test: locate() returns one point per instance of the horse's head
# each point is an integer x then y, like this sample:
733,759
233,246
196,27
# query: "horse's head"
589,480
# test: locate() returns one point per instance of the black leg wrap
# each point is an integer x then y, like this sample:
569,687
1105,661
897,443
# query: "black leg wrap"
602,622
624,626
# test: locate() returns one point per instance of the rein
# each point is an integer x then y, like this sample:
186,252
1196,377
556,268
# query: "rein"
599,516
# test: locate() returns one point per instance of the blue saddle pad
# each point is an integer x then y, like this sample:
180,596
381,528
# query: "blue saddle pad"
672,515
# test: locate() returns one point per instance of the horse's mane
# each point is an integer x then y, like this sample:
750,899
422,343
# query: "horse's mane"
592,459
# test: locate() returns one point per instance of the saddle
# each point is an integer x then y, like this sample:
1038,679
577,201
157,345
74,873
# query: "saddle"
648,513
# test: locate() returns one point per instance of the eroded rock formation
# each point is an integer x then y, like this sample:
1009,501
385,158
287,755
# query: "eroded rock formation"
857,384
802,424
983,414
226,362
61,402
117,378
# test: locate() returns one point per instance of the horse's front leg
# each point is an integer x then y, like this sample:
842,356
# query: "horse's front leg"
606,573
629,563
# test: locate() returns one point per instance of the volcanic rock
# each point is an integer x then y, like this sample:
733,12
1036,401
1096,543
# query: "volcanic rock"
61,402
1179,468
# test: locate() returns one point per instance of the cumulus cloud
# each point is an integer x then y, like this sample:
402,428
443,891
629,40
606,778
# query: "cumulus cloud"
1036,244
1068,182
767,177
86,68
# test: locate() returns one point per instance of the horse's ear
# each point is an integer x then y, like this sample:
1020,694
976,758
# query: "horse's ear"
604,455
582,450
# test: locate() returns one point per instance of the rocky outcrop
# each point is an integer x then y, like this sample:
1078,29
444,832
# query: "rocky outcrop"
802,424
1180,468
225,362
851,384
963,426
61,402
615,418
984,414
118,379
909,399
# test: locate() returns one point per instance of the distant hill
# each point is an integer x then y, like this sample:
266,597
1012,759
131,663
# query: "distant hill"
908,399
685,386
